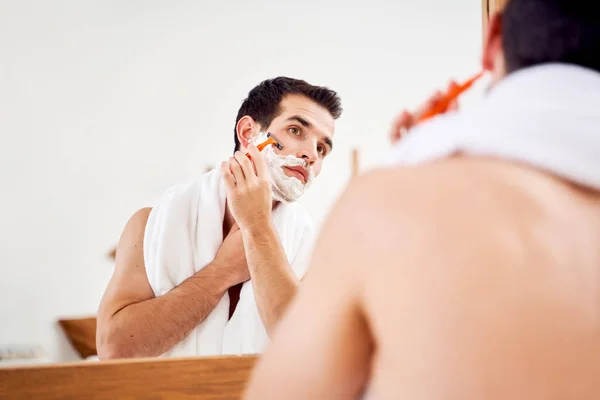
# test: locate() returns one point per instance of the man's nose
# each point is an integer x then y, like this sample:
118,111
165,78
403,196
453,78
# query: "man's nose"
309,154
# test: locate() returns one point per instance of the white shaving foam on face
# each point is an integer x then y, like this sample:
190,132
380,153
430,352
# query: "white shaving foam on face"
284,188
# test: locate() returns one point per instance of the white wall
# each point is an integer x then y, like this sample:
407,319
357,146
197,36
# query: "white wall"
103,104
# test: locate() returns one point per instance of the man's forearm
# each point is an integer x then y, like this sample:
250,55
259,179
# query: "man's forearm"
151,327
272,277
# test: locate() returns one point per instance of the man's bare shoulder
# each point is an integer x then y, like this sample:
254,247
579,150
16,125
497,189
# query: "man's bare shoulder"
399,225
420,187
388,208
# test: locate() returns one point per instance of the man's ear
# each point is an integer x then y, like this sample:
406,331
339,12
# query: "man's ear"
492,47
245,129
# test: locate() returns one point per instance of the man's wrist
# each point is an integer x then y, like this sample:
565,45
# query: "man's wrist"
257,230
216,276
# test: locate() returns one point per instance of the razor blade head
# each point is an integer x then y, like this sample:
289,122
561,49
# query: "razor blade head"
277,143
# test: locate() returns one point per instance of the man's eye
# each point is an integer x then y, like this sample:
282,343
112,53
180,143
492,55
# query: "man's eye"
294,130
322,150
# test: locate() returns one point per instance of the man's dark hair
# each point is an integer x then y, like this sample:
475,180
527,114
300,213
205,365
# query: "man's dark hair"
263,102
544,31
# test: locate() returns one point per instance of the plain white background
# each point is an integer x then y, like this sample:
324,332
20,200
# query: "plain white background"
104,104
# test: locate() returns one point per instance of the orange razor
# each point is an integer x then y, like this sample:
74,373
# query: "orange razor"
441,106
271,139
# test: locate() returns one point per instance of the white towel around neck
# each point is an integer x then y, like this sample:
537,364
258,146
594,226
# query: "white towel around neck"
182,236
547,116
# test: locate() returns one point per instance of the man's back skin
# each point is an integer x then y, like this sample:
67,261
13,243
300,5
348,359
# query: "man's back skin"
466,278
447,327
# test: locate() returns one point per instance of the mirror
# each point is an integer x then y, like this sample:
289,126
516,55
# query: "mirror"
107,105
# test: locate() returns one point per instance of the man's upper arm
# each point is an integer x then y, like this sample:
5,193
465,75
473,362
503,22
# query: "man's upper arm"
129,283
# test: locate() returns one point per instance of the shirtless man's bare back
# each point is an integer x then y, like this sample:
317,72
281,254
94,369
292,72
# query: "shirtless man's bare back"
466,278
447,292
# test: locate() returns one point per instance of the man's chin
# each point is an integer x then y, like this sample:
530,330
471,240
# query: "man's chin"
295,175
284,195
